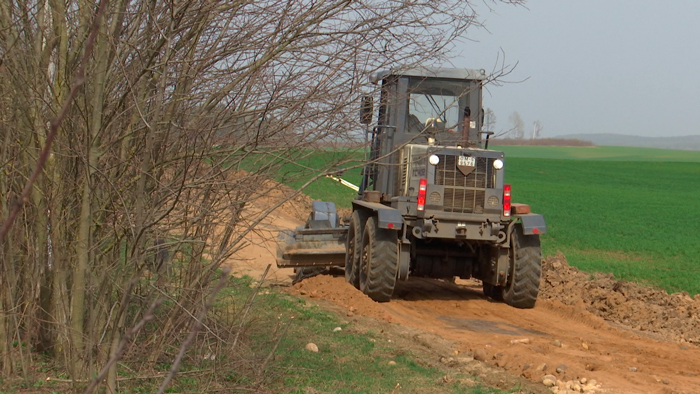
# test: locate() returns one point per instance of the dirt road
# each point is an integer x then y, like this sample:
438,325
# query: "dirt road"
648,344
532,343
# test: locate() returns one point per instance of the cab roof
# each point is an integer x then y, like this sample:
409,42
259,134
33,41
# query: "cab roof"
432,72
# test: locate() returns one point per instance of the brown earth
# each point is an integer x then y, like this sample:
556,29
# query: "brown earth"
260,246
628,338
647,310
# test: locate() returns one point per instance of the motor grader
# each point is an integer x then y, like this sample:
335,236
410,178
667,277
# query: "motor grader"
432,201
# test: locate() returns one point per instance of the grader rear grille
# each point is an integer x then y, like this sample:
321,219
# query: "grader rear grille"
464,194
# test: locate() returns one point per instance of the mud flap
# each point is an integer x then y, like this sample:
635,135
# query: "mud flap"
533,224
389,218
502,266
404,260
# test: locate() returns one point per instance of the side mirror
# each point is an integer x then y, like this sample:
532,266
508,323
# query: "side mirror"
366,110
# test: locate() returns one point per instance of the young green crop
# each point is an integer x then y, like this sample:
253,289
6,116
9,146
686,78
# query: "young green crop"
296,167
633,219
599,153
627,211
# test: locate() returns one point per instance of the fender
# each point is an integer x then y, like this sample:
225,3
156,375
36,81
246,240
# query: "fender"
532,223
388,217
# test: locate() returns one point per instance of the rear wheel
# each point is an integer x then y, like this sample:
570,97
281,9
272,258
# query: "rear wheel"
379,262
353,248
523,282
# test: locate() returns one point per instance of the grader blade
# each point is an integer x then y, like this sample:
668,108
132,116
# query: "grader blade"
311,248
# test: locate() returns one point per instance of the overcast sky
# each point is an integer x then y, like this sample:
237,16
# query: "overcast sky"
594,66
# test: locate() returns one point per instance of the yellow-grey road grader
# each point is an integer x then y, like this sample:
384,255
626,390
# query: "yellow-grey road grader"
432,201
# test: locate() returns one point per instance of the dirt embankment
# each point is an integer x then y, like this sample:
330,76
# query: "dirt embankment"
259,249
674,317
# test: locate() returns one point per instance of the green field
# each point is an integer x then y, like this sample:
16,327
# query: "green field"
328,189
634,219
628,211
606,153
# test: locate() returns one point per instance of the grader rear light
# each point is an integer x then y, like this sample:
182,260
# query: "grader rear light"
506,200
422,187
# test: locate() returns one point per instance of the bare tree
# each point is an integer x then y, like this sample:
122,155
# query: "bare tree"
489,120
184,115
536,129
517,125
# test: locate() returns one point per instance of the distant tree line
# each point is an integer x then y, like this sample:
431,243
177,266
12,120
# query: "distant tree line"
540,142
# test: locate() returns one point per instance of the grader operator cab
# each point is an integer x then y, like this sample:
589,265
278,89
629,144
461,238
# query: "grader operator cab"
432,202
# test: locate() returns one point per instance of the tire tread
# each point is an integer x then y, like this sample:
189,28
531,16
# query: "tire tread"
380,279
354,252
525,284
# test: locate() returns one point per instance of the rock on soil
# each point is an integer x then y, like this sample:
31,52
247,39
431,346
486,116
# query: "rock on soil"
674,317
549,380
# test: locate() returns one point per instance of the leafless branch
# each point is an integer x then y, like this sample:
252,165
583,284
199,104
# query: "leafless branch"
193,332
56,123
248,305
128,336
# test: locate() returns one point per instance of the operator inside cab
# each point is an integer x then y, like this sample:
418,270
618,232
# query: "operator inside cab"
434,112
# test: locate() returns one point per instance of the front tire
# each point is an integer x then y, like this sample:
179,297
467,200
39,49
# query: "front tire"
523,283
379,262
353,248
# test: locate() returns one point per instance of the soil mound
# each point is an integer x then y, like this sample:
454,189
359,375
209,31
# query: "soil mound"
338,291
674,317
297,207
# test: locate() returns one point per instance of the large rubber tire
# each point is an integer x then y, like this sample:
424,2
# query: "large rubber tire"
379,263
523,283
353,247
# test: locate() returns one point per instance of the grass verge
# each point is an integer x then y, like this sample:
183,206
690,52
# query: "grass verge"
265,352
347,361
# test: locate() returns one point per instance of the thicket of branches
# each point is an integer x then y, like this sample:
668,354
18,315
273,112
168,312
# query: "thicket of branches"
161,122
